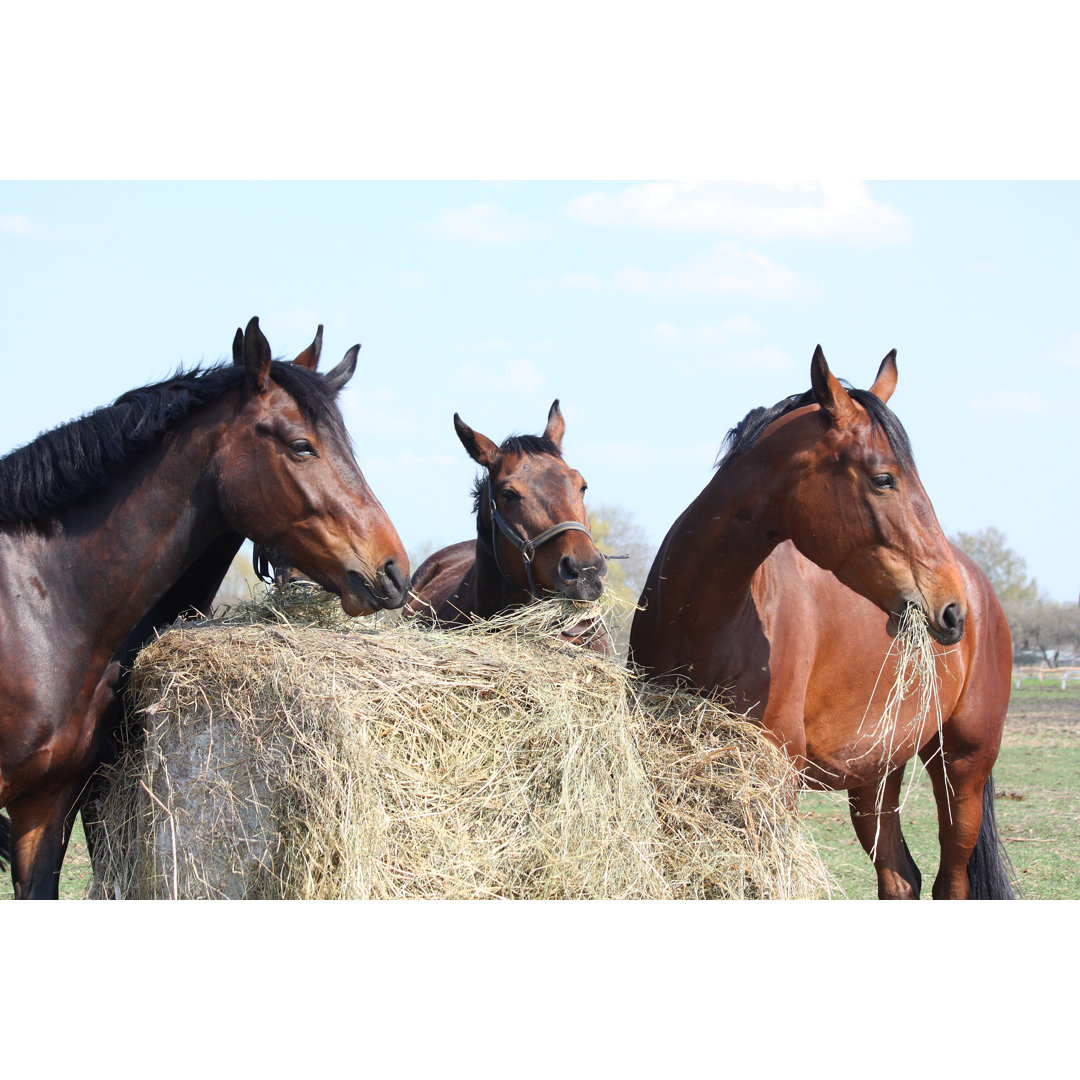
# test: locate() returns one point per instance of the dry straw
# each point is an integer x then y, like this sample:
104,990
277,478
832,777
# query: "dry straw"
288,754
910,671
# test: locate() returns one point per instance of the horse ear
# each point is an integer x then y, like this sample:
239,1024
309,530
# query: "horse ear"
257,357
309,358
479,447
340,375
556,425
885,383
831,396
238,347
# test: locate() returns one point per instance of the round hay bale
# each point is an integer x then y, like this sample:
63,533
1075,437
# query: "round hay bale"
280,758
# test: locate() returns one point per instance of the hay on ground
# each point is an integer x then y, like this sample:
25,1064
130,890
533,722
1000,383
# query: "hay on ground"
285,755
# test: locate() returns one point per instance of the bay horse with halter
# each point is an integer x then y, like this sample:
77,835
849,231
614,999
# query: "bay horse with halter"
782,584
151,497
532,536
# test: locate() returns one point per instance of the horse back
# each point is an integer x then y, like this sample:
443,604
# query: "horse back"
441,589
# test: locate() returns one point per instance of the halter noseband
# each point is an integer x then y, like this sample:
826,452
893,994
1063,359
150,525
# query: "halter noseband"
271,568
528,546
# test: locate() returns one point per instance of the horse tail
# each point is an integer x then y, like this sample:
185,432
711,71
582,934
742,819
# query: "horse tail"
990,870
5,842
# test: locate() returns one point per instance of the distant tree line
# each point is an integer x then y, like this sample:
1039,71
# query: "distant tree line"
1041,628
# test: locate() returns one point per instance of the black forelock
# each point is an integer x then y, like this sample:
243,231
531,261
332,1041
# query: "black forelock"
85,455
526,445
747,431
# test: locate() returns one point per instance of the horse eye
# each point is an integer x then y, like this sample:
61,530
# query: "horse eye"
510,496
303,448
883,481
584,488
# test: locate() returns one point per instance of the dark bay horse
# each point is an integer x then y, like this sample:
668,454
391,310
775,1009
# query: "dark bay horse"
782,584
532,536
115,523
190,596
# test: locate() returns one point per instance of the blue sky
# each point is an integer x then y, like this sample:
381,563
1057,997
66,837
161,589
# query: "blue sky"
658,313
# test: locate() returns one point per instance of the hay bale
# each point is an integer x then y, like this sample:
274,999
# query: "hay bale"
280,758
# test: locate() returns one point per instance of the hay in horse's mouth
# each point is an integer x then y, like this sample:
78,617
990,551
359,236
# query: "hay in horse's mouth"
915,673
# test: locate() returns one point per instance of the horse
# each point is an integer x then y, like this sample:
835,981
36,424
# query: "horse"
150,497
190,596
532,537
782,585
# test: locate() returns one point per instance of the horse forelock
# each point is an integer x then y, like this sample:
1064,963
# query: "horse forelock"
525,445
748,430
85,455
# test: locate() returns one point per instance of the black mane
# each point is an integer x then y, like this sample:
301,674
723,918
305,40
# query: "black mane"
86,455
528,445
747,431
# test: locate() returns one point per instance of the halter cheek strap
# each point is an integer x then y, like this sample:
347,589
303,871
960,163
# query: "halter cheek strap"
526,546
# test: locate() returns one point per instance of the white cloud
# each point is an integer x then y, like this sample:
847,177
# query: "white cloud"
519,375
831,210
486,223
725,270
16,225
767,358
736,327
584,282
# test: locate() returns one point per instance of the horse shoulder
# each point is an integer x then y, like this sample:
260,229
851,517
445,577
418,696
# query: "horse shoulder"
981,663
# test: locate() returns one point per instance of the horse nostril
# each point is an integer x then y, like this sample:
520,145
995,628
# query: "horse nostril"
952,619
393,583
569,569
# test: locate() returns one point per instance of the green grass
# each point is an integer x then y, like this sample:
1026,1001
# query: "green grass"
75,877
1038,809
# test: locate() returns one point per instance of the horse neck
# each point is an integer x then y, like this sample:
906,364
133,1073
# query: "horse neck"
152,524
492,591
721,540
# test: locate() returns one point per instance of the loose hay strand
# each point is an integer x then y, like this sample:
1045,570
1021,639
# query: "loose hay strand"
914,666
362,761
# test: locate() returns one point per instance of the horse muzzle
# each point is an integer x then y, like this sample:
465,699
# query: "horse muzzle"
948,627
388,590
581,581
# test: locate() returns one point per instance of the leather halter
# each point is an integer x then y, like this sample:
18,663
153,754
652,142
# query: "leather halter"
268,570
526,546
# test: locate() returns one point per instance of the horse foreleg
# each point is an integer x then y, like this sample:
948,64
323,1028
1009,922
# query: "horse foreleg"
40,828
41,819
958,779
875,814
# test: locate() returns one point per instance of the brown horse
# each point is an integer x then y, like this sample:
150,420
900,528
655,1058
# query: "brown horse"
190,596
782,583
532,536
115,522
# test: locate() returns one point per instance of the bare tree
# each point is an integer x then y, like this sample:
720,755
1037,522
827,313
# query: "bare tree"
1006,569
1044,628
616,532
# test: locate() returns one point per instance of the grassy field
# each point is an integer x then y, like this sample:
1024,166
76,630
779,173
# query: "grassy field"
1038,809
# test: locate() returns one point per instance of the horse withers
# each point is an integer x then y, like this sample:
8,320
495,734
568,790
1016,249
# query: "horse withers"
532,537
783,583
150,497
